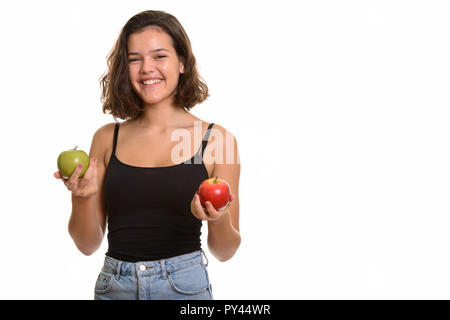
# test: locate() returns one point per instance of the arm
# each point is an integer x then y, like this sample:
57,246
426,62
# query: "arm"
87,222
224,236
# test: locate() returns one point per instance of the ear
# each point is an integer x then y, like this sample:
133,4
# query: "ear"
181,65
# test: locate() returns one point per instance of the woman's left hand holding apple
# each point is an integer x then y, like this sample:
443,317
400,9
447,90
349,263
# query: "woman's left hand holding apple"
209,213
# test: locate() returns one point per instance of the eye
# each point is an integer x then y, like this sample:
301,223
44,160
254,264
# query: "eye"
132,60
160,57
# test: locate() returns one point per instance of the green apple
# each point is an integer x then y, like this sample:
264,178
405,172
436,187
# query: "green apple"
70,159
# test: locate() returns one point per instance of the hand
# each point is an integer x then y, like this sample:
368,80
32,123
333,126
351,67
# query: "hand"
209,213
85,187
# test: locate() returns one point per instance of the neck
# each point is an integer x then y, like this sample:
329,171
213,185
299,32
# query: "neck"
161,116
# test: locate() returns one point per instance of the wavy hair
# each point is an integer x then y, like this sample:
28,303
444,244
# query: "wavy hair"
118,96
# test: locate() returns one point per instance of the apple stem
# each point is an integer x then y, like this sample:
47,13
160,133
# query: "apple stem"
75,148
215,181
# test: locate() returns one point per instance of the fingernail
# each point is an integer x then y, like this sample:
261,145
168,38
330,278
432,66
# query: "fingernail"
80,166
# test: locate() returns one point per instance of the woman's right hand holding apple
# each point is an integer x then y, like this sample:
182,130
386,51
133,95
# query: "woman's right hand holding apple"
85,187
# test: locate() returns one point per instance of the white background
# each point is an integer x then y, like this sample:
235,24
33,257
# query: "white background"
341,112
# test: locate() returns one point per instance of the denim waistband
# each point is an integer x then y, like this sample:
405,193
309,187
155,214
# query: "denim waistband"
147,268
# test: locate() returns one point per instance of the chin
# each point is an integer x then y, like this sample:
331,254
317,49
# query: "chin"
153,101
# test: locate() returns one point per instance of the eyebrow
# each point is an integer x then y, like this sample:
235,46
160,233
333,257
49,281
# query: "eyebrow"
155,50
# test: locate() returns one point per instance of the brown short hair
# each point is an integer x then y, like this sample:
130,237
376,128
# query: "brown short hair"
118,97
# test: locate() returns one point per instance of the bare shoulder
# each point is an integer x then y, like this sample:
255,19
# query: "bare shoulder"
102,141
104,135
226,134
223,149
222,130
105,131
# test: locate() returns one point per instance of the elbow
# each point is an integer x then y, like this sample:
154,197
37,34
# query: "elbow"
86,248
224,259
87,251
230,254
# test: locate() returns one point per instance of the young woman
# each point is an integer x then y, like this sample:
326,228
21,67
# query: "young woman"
133,186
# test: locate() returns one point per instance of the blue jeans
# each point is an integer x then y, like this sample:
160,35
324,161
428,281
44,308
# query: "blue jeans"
183,277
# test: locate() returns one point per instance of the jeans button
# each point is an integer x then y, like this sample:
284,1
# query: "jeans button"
142,267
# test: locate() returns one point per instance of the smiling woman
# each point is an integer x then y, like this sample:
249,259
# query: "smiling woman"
135,191
150,69
128,56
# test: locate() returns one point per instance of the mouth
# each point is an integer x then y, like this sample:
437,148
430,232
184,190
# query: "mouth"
150,83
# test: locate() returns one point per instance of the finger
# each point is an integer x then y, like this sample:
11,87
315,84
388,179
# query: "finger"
68,184
213,214
92,166
84,182
90,174
198,214
58,176
193,208
194,213
75,175
229,201
198,209
209,208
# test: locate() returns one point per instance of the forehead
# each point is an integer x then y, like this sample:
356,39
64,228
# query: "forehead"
149,38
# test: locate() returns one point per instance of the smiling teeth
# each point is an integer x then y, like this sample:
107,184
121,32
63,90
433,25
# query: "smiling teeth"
151,81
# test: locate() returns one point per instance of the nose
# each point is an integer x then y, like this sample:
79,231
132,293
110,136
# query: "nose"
148,65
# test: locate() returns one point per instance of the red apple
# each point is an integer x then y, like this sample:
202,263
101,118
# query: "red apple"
216,191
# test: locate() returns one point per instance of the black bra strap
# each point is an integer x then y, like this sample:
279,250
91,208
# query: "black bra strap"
206,138
198,158
116,130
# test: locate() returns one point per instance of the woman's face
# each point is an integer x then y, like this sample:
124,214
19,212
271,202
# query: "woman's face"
154,67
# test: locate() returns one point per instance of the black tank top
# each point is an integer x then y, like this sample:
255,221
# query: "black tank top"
149,208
